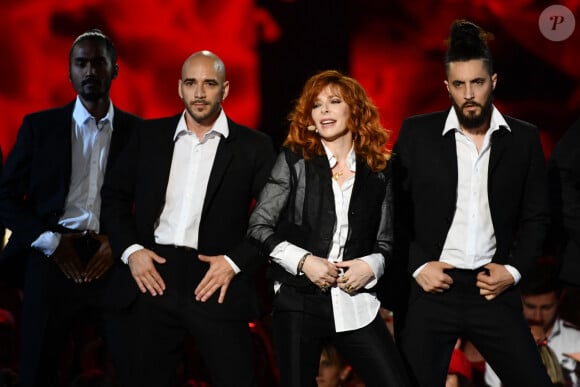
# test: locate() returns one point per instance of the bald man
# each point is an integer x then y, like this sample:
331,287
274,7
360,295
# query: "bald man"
177,206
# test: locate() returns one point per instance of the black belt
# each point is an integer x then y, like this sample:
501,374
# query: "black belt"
184,249
466,272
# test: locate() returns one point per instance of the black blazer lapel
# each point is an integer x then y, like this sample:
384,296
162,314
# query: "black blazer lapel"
122,127
59,142
321,167
223,157
164,144
319,177
362,173
500,141
449,161
155,154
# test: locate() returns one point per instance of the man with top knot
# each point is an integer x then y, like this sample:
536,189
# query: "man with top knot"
471,216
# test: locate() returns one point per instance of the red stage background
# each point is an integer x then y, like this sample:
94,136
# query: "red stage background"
394,48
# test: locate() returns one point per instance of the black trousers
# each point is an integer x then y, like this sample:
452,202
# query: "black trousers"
300,334
52,307
497,328
225,345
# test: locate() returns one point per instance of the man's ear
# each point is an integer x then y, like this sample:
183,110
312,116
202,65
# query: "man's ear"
226,90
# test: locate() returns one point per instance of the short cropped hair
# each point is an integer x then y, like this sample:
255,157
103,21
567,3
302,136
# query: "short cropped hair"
97,35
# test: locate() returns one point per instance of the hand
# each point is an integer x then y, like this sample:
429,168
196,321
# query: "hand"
356,275
218,276
432,277
67,258
320,271
496,282
144,272
101,261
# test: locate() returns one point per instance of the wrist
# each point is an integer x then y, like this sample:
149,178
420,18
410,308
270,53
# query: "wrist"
301,263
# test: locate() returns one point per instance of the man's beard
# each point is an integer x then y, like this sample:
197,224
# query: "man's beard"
473,120
95,94
92,97
200,117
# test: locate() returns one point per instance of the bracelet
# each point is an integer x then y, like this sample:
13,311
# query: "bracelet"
301,262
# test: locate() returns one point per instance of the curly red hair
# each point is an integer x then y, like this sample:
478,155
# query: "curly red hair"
369,137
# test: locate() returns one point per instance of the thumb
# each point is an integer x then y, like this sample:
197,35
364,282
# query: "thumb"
157,258
346,264
492,266
203,258
446,265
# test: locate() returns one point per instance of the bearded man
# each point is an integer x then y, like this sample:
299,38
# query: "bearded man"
471,215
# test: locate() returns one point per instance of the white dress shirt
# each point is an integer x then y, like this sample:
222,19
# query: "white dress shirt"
90,141
191,166
471,241
350,311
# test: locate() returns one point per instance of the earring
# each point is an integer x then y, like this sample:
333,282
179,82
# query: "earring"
311,128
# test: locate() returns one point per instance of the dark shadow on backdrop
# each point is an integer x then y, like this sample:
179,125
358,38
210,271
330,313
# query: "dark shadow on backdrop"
315,36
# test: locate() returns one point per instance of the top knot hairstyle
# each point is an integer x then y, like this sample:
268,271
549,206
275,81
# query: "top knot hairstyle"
468,41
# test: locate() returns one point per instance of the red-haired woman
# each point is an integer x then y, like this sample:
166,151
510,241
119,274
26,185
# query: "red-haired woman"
325,219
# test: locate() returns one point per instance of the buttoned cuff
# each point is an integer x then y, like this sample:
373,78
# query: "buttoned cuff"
416,272
288,255
232,264
377,263
514,272
47,242
130,250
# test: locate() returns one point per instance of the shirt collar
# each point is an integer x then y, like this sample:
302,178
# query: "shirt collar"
497,121
220,126
350,158
556,328
81,115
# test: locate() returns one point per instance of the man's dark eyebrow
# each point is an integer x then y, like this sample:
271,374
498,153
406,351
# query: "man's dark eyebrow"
87,58
213,80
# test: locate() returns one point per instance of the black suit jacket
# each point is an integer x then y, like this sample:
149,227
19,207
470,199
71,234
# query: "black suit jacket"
297,205
564,173
134,196
36,176
425,164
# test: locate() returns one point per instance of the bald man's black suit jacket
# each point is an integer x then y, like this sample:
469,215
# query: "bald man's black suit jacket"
134,196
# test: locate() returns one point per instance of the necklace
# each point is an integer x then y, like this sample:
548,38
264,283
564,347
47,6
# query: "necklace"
337,174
